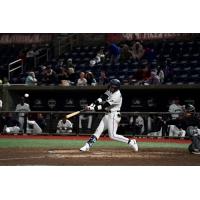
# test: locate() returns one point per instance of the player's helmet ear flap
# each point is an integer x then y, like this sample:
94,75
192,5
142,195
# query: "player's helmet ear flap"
190,108
115,83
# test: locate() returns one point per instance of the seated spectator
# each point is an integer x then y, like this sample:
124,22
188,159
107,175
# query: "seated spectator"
90,79
161,74
62,75
49,76
70,64
64,126
103,79
101,54
142,75
125,53
137,51
114,52
154,79
82,81
72,76
30,79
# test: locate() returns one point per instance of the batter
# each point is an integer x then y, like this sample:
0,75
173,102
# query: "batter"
111,102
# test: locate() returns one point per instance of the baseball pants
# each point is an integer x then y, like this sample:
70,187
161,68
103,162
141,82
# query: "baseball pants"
110,122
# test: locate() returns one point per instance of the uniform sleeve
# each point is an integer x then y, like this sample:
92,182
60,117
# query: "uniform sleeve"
69,124
171,109
59,125
102,98
17,108
28,108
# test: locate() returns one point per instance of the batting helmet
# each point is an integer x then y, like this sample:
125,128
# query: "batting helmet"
189,108
115,83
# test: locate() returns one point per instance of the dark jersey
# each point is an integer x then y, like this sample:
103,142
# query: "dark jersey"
186,120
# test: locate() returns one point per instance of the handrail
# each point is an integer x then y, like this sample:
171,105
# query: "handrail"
12,63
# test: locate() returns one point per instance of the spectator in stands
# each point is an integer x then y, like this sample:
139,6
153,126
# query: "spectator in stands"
149,54
72,76
49,76
114,51
137,51
161,74
62,75
101,54
82,81
142,75
70,64
103,79
125,53
30,79
168,70
154,79
64,126
90,79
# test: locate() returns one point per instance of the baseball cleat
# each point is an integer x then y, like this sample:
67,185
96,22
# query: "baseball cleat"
86,147
133,145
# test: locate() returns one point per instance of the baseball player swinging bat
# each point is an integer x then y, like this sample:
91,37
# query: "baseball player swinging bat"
74,113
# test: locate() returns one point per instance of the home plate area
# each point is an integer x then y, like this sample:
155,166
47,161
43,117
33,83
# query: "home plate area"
60,153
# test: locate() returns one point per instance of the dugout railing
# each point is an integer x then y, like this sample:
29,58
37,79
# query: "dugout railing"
137,124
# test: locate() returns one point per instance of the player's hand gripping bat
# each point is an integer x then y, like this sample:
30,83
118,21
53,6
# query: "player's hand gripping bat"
74,113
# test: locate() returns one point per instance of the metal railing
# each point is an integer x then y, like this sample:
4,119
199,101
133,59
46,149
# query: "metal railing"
138,124
13,66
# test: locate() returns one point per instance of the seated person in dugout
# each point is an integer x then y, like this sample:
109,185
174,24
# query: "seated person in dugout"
33,127
64,126
11,125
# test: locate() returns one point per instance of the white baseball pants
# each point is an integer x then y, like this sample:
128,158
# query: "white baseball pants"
110,122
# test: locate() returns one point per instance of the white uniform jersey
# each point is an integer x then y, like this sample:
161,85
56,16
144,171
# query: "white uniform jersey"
22,109
175,109
66,125
115,100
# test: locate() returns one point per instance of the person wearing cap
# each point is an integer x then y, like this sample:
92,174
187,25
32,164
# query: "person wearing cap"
110,102
176,111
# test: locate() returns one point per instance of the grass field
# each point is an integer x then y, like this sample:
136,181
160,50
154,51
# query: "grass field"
60,143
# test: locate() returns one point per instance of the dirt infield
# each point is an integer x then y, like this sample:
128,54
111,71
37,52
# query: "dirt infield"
97,157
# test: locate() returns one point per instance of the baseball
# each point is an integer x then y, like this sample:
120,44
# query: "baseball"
26,95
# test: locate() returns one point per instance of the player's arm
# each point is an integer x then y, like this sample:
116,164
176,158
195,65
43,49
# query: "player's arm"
59,126
69,125
98,104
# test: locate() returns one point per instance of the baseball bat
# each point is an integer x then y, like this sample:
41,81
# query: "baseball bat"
74,113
